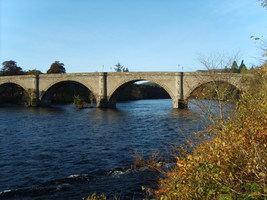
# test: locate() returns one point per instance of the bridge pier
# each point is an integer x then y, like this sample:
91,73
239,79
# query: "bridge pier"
33,102
45,103
102,103
34,93
182,104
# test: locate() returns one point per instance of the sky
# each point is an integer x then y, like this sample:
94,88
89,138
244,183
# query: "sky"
143,35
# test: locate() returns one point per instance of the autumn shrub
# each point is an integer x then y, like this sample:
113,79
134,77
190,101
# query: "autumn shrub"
233,164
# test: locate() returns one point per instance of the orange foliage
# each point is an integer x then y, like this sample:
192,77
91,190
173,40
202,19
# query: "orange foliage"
233,165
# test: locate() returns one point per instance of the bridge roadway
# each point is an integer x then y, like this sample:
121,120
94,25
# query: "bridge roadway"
105,86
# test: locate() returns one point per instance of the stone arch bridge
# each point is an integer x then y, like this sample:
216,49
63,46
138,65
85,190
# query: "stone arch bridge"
105,86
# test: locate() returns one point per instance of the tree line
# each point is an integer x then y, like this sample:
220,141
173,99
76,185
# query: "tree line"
10,68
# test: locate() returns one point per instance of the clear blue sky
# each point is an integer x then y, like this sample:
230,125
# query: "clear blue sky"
143,35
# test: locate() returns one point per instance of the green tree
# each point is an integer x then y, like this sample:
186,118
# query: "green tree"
57,68
120,68
33,72
242,67
10,68
234,68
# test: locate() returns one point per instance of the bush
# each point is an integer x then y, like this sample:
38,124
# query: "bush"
233,165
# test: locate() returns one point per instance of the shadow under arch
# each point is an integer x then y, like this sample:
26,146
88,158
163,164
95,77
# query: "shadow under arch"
13,93
64,92
215,90
112,98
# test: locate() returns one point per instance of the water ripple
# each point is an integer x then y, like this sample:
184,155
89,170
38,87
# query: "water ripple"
65,153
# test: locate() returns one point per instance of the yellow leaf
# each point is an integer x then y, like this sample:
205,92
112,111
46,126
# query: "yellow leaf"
262,174
255,194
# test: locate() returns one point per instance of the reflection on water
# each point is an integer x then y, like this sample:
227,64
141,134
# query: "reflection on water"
67,153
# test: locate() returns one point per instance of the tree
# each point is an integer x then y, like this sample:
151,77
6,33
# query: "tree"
57,68
234,68
10,68
120,68
242,67
33,72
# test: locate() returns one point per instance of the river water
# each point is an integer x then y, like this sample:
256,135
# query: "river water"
67,153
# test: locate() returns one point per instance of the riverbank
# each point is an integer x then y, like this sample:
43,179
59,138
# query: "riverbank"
230,160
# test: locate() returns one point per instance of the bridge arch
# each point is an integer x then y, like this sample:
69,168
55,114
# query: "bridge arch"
47,94
17,93
228,87
114,92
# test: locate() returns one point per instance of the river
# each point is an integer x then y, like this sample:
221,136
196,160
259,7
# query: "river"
67,153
